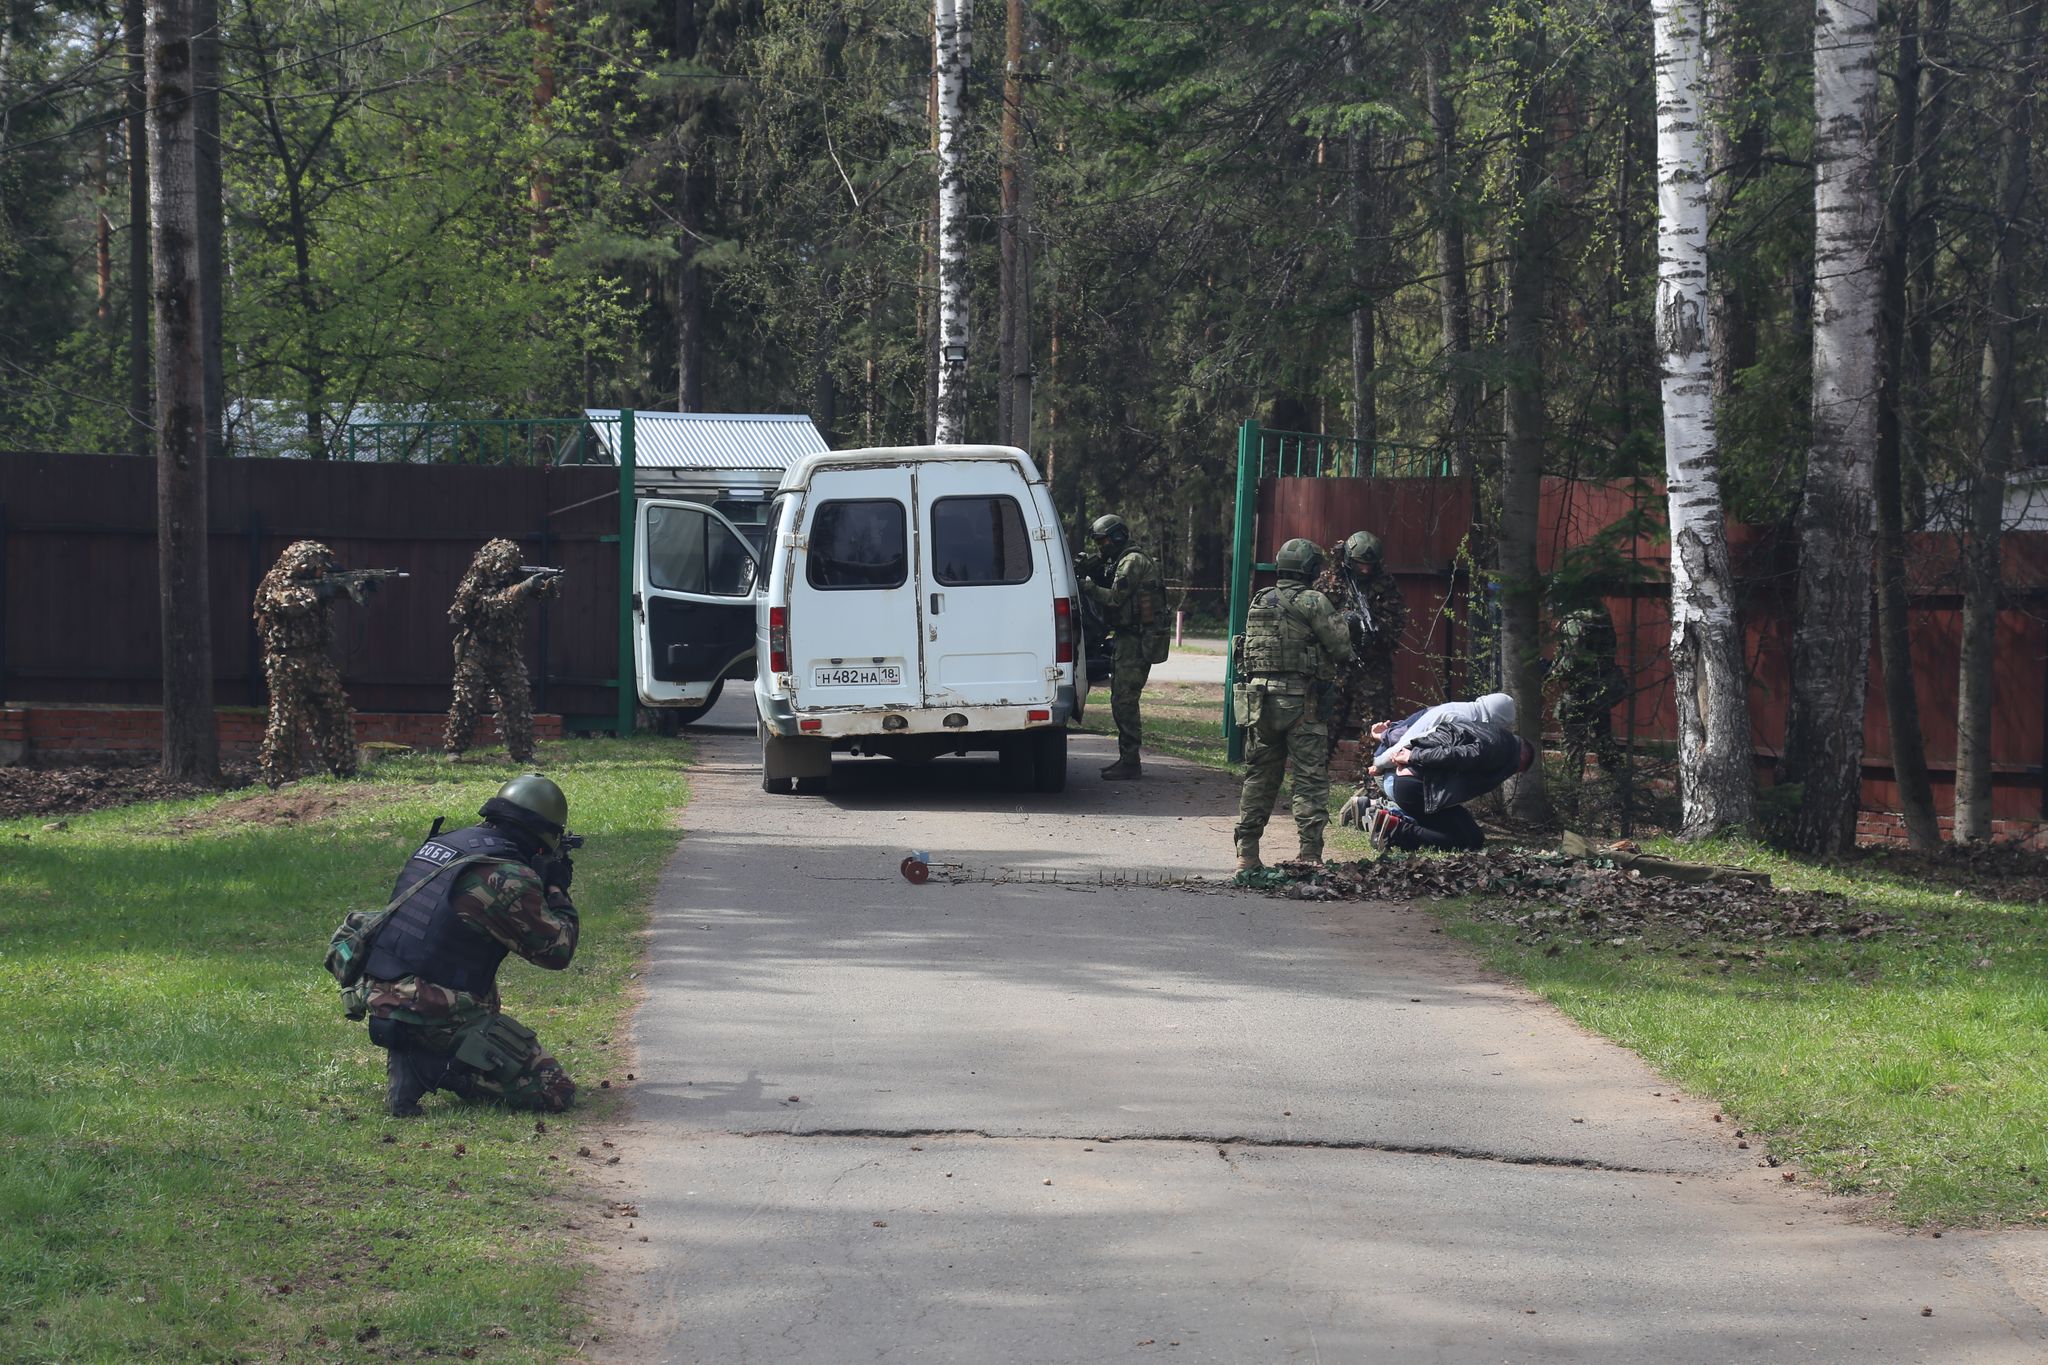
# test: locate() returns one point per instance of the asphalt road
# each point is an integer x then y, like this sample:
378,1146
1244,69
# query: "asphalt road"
1066,1113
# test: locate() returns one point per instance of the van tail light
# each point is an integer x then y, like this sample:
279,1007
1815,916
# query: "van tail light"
1063,629
778,639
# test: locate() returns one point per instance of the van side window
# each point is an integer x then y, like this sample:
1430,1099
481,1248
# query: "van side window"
688,551
979,541
858,543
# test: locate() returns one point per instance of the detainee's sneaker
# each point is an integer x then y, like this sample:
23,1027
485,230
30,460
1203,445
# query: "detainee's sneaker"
1385,825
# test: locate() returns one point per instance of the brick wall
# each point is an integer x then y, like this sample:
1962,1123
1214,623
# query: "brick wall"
1889,829
53,735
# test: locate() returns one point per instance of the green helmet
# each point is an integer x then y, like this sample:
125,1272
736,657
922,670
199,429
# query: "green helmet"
1299,558
1364,547
1112,529
535,804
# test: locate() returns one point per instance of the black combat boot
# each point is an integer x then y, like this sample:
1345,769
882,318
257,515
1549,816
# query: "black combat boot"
1123,770
406,1079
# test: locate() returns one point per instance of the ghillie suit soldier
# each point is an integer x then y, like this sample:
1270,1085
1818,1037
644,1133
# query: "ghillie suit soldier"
291,611
1294,642
1590,685
489,616
1134,600
1369,600
430,983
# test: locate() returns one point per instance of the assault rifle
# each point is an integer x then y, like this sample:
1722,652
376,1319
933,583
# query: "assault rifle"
541,571
358,583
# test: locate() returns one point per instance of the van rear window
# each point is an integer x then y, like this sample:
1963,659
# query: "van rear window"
858,543
979,541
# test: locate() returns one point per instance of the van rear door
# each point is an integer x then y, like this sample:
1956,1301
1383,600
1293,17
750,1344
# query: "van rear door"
693,600
854,617
987,582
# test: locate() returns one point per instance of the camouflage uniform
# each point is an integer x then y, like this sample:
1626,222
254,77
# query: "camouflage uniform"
504,901
1135,603
1294,641
1590,685
490,661
304,685
1365,686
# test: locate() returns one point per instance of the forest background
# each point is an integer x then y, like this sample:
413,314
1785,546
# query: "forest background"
1430,224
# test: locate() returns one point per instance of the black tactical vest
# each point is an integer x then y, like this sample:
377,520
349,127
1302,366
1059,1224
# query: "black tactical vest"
425,937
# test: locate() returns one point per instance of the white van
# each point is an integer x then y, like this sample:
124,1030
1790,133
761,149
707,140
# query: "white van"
919,601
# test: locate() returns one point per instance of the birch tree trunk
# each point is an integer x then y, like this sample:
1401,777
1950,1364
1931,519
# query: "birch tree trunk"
1709,680
1522,459
1998,392
1894,638
951,39
190,749
1831,647
135,24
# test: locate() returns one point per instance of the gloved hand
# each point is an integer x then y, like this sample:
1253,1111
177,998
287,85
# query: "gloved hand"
557,873
327,589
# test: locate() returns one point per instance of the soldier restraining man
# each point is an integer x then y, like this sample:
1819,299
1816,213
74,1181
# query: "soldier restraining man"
1134,600
1369,600
430,985
1294,641
489,616
291,611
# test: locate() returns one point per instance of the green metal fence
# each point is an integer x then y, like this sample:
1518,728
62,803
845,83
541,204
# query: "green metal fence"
1266,454
527,441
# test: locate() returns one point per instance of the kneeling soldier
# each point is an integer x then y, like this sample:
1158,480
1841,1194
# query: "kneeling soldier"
430,983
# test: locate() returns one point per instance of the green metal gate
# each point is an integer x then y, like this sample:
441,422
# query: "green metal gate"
526,440
1264,454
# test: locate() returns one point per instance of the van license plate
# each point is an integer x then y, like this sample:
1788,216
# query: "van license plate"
881,675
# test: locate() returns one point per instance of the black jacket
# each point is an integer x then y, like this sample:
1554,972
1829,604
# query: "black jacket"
1460,760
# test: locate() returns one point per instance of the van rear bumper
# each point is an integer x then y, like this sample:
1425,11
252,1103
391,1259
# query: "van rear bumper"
781,719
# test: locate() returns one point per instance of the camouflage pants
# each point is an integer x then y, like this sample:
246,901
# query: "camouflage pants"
439,1021
1588,728
1279,728
489,679
305,695
1125,686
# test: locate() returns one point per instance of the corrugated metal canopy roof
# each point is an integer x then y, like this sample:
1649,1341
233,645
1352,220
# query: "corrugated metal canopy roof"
710,440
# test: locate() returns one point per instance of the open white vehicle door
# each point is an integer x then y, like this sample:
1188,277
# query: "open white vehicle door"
694,577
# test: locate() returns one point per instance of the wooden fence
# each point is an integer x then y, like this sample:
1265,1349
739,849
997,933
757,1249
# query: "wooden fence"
1424,521
78,574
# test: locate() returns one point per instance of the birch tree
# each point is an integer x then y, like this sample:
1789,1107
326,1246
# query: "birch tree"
190,744
952,28
1709,680
1831,643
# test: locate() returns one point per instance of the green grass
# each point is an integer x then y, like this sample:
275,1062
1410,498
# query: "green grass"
194,1161
1912,1068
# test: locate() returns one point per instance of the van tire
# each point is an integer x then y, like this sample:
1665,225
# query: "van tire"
1049,760
1014,767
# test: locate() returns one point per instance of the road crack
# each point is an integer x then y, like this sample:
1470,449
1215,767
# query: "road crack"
1224,1144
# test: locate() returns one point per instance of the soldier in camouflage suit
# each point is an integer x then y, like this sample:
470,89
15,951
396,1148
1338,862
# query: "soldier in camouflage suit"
305,687
489,617
1590,685
429,986
1134,600
1369,601
1293,644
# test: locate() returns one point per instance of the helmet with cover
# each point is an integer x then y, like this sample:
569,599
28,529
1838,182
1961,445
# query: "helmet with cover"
1299,558
534,804
1364,553
1110,530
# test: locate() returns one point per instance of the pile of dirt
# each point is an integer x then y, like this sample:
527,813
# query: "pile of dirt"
1553,896
276,808
69,791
